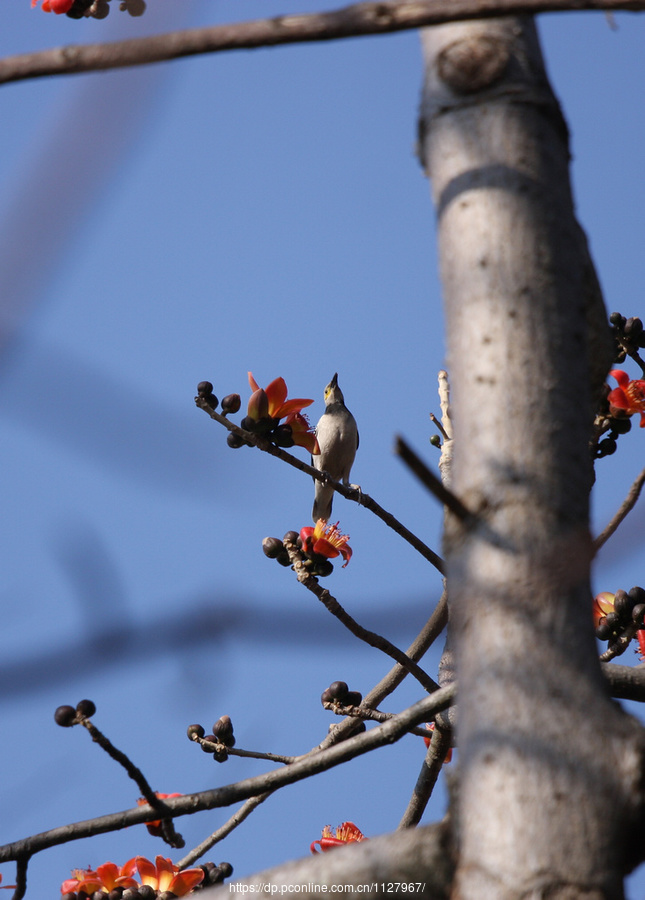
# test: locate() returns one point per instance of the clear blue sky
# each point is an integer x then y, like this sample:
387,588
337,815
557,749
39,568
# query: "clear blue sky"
259,210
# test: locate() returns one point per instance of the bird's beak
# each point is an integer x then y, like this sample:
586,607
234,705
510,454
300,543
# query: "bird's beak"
334,382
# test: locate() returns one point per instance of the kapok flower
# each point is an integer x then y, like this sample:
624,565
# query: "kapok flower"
56,6
155,827
272,401
426,741
301,432
163,875
106,878
603,604
629,395
640,637
325,540
347,833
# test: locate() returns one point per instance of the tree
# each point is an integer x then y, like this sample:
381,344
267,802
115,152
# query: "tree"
523,405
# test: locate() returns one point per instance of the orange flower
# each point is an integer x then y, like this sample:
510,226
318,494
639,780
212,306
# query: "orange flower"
106,877
640,637
347,833
325,540
55,6
155,827
163,875
301,432
628,396
272,401
603,604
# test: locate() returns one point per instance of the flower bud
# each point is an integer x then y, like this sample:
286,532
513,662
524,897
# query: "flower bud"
638,612
231,404
353,698
212,740
282,436
65,716
338,690
637,594
291,536
235,441
272,547
86,708
195,731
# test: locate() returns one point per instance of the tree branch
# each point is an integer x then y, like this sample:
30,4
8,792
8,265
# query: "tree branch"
351,21
388,733
349,493
625,508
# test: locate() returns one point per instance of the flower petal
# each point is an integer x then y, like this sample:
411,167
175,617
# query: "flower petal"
185,881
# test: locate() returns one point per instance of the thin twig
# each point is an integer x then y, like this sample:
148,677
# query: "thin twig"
218,747
625,508
21,877
370,637
370,715
236,819
382,17
432,765
431,481
349,493
168,831
388,733
388,684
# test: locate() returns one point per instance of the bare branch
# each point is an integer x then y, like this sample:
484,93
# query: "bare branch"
351,21
434,484
625,508
312,764
370,637
430,769
349,493
236,819
625,682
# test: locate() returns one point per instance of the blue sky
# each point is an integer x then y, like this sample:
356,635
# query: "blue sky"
257,211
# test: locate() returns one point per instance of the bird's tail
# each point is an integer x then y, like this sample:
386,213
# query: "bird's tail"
323,499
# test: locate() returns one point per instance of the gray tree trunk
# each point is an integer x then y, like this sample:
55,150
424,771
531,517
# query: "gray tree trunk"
549,767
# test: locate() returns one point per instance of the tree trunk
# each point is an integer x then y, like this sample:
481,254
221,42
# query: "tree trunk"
550,768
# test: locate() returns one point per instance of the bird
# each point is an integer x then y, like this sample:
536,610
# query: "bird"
337,436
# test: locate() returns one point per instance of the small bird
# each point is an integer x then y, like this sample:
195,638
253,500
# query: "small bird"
338,441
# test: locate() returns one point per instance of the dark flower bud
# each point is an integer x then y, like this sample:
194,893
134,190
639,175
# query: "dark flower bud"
86,708
292,537
633,326
217,874
223,730
435,440
637,594
621,426
282,436
194,731
272,547
70,895
205,391
211,739
116,894
638,612
231,404
248,423
607,446
338,690
134,7
147,892
623,604
220,756
603,631
617,320
283,559
323,568
353,698
99,895
131,894
65,716
235,441
612,619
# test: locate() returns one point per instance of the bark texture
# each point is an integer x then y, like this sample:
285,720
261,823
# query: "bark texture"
550,769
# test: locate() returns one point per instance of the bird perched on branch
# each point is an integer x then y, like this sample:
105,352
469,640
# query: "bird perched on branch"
337,436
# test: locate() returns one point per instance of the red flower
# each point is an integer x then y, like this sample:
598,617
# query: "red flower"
628,396
163,875
640,637
347,833
301,432
106,877
272,401
155,827
55,6
325,540
7,887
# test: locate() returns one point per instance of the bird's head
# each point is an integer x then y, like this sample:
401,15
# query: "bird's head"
333,393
